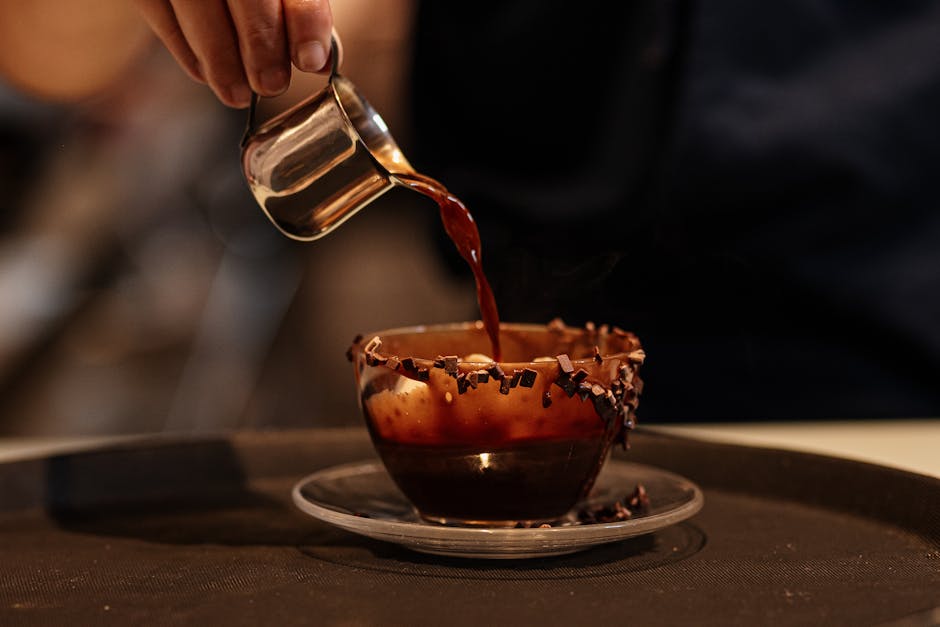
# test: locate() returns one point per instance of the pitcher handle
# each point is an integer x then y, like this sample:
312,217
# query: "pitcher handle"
335,58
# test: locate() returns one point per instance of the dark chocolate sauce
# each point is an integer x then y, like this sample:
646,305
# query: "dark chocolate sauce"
463,231
523,481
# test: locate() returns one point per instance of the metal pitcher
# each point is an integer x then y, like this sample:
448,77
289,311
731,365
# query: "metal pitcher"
315,165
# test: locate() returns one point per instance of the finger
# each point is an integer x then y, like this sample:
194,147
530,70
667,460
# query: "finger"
159,15
208,28
309,23
262,42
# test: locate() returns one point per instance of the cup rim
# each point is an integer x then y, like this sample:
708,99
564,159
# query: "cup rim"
478,325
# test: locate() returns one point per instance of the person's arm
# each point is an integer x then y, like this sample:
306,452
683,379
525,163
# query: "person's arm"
236,46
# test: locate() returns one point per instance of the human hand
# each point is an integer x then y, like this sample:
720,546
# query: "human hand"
236,46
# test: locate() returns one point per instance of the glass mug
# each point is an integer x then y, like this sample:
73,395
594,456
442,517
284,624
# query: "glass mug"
474,442
315,165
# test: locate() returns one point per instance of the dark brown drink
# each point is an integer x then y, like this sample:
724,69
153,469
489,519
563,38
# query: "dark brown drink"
535,481
463,231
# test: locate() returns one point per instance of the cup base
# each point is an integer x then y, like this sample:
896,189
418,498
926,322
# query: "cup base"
558,521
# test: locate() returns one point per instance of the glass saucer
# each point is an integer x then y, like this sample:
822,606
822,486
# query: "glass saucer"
362,498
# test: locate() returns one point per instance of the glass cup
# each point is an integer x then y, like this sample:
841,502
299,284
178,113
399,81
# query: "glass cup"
469,441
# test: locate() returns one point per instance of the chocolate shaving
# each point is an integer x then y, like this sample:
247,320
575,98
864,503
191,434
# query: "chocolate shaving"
516,376
424,374
606,407
528,378
450,365
408,363
374,359
473,378
631,399
393,362
625,373
584,390
439,361
564,362
567,384
546,399
504,385
462,383
496,372
580,375
623,509
597,390
483,376
637,357
639,500
597,355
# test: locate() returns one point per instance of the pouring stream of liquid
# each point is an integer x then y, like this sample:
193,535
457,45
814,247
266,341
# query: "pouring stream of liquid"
463,231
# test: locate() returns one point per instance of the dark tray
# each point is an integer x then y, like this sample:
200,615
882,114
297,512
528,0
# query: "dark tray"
204,532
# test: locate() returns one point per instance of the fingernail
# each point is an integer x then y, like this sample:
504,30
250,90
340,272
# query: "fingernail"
239,95
273,81
311,56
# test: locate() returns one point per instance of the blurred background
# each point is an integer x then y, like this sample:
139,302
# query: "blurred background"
141,287
752,190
